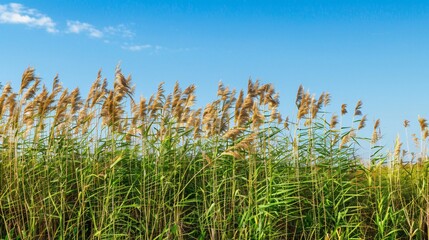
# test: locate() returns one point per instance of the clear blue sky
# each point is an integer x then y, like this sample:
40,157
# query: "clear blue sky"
377,51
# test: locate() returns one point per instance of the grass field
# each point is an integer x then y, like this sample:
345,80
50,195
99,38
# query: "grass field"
115,166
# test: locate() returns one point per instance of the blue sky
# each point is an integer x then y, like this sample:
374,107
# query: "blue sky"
377,51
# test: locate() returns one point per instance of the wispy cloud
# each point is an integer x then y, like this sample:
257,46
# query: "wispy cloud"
109,35
15,13
119,35
78,27
136,48
120,30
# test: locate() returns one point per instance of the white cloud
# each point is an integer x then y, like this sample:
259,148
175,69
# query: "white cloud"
119,30
82,27
136,48
15,13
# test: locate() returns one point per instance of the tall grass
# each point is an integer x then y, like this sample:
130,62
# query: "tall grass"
112,166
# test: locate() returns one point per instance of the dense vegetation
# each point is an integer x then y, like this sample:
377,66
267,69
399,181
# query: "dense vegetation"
114,167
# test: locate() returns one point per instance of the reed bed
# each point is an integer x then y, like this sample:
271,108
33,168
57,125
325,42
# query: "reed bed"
113,166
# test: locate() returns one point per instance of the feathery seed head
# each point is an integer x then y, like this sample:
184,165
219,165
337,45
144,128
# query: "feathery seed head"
321,100
251,90
177,93
362,122
257,118
7,89
189,90
220,89
326,99
28,116
304,105
398,145
375,137
233,153
246,143
189,96
347,138
11,103
315,106
343,109
406,123
248,102
142,109
31,92
238,105
358,108
415,140
56,85
334,121
279,118
233,133
122,86
423,123
75,100
61,107
286,123
273,100
167,105
376,124
299,96
375,134
239,101
425,133
27,78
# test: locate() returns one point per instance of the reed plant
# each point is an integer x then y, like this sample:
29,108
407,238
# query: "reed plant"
113,166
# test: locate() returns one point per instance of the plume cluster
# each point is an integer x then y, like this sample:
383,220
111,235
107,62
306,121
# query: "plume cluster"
114,166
